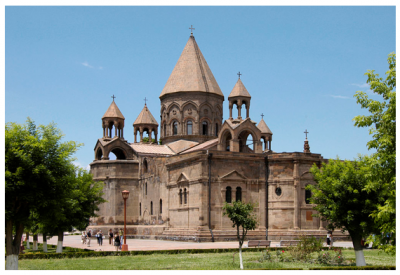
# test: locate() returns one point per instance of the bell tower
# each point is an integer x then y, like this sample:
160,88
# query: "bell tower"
238,97
113,118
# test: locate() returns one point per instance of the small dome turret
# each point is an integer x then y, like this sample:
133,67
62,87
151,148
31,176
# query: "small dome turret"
239,96
145,122
266,134
113,118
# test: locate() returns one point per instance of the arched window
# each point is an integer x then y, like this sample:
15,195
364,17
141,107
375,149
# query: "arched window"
145,166
99,154
160,206
180,196
140,209
175,128
228,194
189,129
238,194
145,188
151,208
308,196
185,195
216,129
205,128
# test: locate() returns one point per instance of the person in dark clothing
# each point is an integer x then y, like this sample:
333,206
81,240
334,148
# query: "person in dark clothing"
110,237
100,238
117,241
89,235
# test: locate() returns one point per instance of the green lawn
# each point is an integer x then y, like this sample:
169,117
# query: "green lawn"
206,261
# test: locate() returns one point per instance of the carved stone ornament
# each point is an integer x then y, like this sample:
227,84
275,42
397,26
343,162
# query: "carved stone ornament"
174,112
205,111
189,111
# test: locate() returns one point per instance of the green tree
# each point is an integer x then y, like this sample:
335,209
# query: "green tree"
242,217
36,160
382,127
80,202
341,199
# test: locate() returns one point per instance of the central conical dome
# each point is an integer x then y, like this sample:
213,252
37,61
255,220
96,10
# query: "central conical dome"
191,73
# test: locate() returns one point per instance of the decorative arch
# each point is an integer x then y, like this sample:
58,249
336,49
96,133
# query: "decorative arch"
242,136
190,103
99,153
172,105
206,104
119,152
224,139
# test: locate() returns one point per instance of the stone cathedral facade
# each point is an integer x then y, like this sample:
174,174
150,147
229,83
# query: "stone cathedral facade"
177,189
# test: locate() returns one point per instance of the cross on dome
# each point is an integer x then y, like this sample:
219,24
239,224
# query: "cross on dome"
191,29
113,97
239,74
306,133
262,116
145,99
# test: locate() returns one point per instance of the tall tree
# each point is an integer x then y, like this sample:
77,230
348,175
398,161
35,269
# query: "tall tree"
382,127
80,204
36,160
340,198
242,217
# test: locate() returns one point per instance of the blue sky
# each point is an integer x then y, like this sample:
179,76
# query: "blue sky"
301,65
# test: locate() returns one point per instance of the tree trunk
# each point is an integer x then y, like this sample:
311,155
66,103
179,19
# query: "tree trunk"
44,242
35,242
13,244
28,245
240,256
358,249
60,242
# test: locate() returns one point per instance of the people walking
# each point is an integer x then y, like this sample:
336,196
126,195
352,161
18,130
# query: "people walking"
89,235
83,237
328,240
121,234
110,237
100,238
117,241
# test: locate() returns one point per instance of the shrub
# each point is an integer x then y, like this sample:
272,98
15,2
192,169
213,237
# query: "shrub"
265,256
324,257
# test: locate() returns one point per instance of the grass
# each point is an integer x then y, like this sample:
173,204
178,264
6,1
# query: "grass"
214,261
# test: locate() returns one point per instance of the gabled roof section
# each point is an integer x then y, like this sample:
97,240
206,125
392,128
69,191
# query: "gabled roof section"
182,178
263,127
203,146
145,117
113,111
191,73
233,175
151,149
181,145
239,90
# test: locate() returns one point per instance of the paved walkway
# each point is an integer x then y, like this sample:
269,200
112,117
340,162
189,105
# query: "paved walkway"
137,244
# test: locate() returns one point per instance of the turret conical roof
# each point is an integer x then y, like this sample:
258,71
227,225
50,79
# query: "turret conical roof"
263,127
113,111
239,90
145,117
191,73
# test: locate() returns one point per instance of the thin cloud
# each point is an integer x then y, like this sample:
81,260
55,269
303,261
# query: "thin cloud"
365,85
339,96
86,64
77,163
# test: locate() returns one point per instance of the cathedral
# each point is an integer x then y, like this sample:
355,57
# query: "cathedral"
180,176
